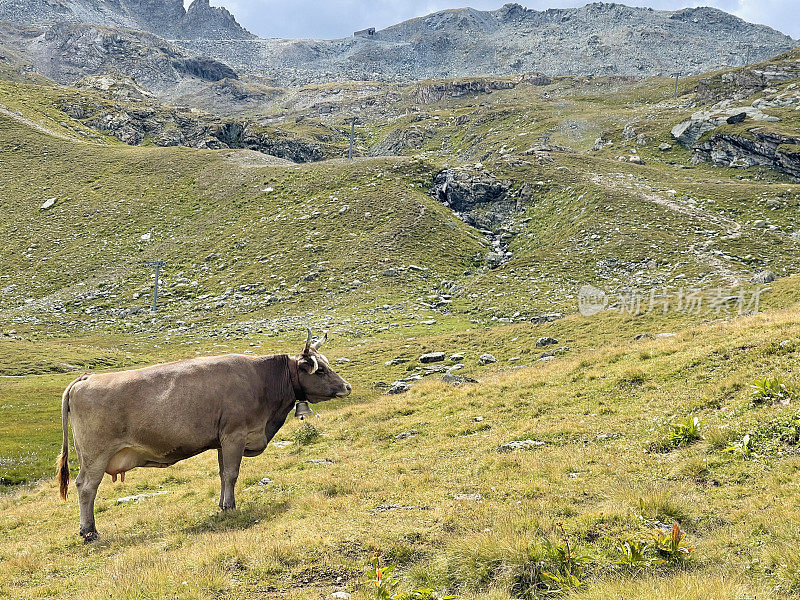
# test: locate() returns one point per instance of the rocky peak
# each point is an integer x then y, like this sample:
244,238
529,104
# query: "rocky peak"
208,22
166,18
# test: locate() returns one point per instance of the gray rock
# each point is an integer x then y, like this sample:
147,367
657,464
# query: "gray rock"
547,318
406,434
398,387
457,379
396,361
432,357
140,497
467,497
520,445
546,341
340,596
665,147
736,118
457,356
485,359
264,481
763,277
642,336
48,203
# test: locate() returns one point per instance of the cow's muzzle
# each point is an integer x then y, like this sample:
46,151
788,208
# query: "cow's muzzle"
345,391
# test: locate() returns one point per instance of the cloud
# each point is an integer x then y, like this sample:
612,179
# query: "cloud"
339,18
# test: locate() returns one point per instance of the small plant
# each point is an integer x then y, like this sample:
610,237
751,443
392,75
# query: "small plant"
672,546
306,434
775,391
633,555
380,579
684,433
745,448
383,584
566,571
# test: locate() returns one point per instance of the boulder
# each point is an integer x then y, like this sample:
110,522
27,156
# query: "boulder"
763,277
546,341
432,357
398,387
485,359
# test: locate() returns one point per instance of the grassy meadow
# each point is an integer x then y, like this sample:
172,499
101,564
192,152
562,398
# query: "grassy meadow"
665,466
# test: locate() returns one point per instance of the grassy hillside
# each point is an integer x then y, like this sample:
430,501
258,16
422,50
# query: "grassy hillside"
258,249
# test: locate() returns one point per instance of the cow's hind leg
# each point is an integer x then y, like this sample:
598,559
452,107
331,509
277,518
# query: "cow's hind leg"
87,482
231,457
221,478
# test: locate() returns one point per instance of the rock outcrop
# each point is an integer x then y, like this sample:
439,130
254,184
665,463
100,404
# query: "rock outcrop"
688,132
759,147
135,124
483,202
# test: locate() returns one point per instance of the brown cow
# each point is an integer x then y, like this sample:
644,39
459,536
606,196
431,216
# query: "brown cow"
156,416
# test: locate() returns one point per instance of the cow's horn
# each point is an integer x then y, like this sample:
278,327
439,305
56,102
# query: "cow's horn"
308,343
320,341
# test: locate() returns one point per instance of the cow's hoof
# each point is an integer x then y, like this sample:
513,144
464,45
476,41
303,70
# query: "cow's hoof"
89,536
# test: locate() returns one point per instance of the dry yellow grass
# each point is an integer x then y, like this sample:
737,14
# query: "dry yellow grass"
311,530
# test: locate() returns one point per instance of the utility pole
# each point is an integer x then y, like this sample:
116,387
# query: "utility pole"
352,138
157,264
677,76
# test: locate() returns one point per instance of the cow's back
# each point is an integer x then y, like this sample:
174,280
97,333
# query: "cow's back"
175,407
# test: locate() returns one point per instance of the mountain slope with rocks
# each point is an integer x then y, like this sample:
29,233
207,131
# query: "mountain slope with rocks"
597,39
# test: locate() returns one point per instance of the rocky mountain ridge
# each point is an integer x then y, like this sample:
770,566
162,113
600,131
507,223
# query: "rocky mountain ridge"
596,39
165,18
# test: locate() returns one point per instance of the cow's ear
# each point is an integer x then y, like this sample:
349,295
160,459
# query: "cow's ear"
309,364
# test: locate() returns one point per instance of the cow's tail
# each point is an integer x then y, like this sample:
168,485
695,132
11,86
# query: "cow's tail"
62,466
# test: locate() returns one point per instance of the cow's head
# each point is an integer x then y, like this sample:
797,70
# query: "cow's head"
318,380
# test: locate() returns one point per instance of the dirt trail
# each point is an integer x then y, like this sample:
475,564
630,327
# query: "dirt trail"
32,124
732,228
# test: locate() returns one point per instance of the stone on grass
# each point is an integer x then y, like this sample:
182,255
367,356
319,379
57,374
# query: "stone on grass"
468,497
546,341
140,497
340,596
264,481
485,359
457,379
398,387
763,277
432,357
520,445
406,434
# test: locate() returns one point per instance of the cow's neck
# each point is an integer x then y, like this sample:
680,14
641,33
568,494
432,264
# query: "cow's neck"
278,393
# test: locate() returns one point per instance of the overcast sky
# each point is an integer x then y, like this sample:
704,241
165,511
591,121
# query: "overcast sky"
339,18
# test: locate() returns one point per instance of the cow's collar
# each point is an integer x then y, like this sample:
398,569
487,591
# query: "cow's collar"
299,394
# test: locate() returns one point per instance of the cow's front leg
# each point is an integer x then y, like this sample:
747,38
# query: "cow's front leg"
231,457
